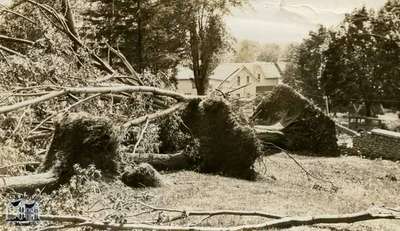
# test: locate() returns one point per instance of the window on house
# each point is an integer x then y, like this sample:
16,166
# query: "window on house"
259,78
248,95
193,85
248,79
238,95
238,80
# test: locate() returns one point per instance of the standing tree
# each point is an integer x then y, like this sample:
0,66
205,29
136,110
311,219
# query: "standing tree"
147,32
207,35
350,74
386,27
306,63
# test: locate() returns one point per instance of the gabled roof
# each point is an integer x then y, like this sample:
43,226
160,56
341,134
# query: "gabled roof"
282,66
270,70
224,70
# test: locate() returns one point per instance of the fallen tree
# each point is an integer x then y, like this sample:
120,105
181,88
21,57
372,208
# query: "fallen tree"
305,126
81,139
78,139
227,144
84,140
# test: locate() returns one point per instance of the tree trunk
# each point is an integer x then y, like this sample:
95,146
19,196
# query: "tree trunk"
70,21
139,45
29,183
162,162
199,78
368,107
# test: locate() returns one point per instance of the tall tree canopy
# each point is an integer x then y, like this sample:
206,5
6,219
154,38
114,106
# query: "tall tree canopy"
357,62
147,32
208,37
349,73
306,62
157,35
386,31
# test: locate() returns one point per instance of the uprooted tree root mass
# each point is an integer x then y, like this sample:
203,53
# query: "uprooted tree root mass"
305,126
227,144
84,140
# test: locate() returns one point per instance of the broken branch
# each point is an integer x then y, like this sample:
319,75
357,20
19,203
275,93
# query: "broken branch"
63,111
11,51
287,222
154,116
18,40
98,90
188,213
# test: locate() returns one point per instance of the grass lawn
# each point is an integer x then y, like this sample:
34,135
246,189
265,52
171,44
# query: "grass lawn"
283,188
340,185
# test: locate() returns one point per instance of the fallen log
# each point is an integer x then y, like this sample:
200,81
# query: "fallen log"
347,130
286,222
163,162
267,137
97,90
29,183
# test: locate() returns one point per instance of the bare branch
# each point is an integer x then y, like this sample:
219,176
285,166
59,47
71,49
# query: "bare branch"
4,57
98,90
287,222
18,40
141,136
69,16
77,42
65,110
154,116
347,130
127,64
188,213
16,106
309,174
12,51
5,9
236,89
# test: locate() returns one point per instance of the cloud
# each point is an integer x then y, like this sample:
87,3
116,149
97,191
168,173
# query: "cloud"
290,20
266,31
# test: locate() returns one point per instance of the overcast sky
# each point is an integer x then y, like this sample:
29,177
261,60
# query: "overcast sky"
285,21
290,20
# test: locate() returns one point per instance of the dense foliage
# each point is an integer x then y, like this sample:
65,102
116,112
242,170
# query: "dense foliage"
354,63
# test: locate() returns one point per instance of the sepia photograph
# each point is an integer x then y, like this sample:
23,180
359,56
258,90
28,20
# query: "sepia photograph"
200,115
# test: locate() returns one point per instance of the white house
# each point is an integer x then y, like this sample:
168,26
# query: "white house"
243,80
